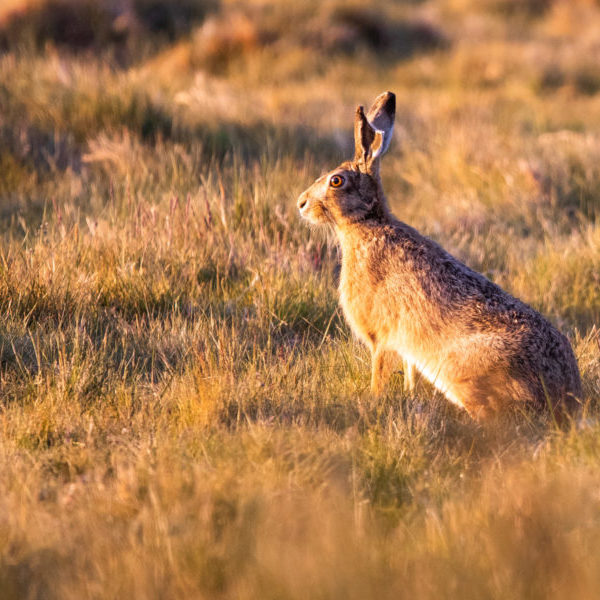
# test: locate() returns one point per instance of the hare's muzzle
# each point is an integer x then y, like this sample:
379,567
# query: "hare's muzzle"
302,201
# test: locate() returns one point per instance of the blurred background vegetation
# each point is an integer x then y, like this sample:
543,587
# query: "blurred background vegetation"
183,411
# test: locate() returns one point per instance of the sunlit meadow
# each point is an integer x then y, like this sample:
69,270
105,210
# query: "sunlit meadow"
183,411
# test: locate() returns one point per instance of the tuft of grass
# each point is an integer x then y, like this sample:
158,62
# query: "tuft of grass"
301,31
563,278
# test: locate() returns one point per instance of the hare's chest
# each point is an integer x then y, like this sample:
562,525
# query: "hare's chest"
358,307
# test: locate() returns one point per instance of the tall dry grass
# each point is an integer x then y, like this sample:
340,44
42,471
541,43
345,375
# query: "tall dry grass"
184,413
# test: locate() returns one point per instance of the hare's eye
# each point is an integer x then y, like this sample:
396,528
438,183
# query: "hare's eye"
337,181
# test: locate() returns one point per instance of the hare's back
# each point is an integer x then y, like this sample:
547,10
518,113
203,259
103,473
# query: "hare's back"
470,306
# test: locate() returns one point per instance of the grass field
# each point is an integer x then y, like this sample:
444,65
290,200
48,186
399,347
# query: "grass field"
183,411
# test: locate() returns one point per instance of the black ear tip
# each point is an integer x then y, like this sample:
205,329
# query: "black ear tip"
390,102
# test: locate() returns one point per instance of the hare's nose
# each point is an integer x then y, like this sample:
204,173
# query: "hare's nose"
302,201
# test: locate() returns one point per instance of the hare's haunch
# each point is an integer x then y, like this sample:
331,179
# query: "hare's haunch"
403,294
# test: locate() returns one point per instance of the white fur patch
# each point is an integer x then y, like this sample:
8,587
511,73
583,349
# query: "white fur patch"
387,138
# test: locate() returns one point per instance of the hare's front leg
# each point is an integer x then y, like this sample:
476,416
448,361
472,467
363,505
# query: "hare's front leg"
382,363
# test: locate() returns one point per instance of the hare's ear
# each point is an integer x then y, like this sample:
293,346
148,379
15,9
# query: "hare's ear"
364,136
381,117
373,133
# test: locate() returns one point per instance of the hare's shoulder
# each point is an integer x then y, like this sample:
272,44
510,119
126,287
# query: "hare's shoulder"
403,250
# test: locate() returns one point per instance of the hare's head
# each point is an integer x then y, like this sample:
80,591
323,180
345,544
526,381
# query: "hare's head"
352,192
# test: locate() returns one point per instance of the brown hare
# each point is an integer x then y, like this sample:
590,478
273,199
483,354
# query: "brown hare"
403,294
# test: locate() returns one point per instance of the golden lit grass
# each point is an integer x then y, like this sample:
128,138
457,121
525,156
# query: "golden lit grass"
184,412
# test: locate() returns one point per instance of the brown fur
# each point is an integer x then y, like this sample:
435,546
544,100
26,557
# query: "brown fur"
402,293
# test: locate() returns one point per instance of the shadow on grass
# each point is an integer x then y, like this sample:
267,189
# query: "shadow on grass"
121,29
128,32
30,576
